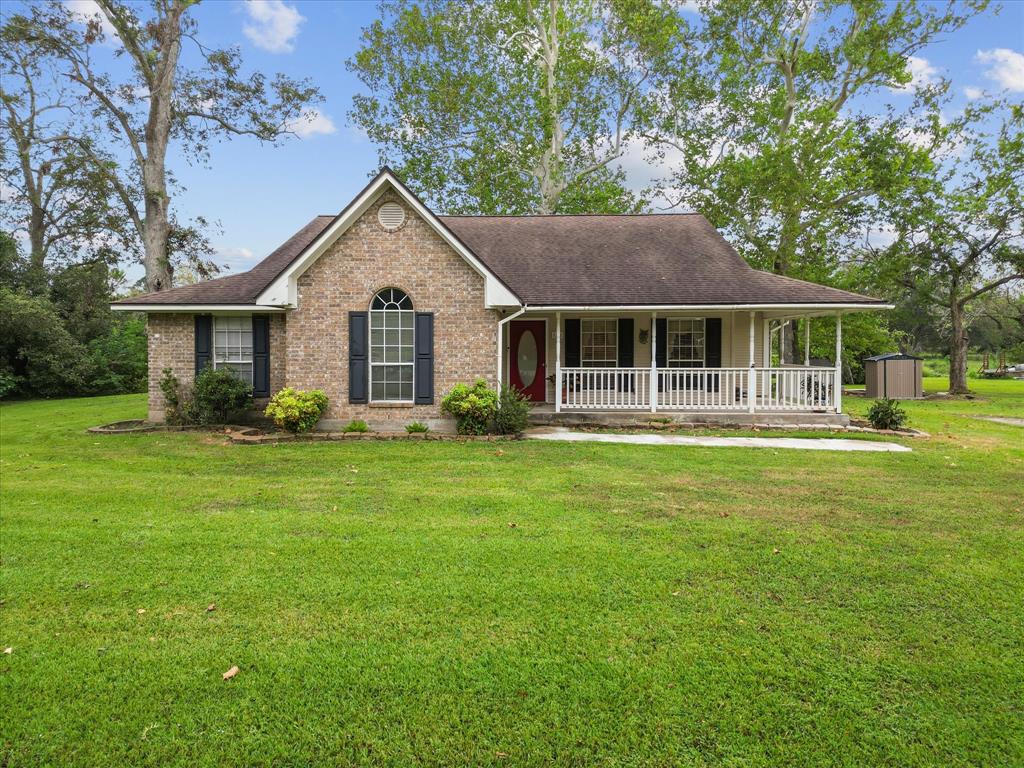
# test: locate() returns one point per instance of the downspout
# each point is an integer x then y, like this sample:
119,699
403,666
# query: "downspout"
501,336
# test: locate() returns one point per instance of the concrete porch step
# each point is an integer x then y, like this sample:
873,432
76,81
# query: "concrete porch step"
645,419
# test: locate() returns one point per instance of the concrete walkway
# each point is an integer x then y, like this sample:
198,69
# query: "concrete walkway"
804,443
1013,422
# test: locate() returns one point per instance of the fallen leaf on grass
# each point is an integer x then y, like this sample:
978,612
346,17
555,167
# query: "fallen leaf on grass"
501,754
499,452
230,673
677,593
513,525
723,514
141,611
775,551
8,650
211,607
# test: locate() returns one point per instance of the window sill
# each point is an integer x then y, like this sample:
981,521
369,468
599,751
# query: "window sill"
390,404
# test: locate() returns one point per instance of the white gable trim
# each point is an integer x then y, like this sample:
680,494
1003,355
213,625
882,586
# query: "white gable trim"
283,292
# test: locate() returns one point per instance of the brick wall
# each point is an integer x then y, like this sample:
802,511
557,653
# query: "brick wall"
172,344
364,260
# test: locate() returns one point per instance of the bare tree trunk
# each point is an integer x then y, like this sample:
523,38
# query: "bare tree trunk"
159,272
550,173
37,247
957,350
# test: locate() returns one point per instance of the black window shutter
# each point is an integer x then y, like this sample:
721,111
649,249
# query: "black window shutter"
261,355
572,343
423,377
661,353
625,342
713,342
661,347
712,349
625,381
358,357
204,341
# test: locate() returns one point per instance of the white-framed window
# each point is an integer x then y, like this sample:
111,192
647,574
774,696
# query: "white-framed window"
685,343
232,345
391,347
599,345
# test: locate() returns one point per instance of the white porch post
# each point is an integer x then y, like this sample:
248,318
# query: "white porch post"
501,352
654,362
839,364
807,341
752,376
558,362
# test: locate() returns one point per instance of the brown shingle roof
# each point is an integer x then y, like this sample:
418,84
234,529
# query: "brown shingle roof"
244,287
659,259
651,259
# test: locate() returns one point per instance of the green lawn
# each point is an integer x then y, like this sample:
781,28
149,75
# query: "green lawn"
510,604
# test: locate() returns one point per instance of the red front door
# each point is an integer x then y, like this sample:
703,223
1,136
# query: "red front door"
527,370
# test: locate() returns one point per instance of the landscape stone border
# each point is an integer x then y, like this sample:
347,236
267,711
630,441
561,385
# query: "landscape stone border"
683,426
243,435
251,436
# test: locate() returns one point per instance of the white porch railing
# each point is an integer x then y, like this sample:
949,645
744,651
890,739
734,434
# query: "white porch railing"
795,389
606,388
703,389
698,389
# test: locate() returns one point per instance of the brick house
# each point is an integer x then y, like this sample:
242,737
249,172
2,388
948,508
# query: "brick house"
387,306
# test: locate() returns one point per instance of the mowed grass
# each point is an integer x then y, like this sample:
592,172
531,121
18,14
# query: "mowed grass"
510,604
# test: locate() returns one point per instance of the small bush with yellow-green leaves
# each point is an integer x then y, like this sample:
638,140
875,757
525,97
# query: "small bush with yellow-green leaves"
297,410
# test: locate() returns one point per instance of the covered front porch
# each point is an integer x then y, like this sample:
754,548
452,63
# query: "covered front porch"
678,362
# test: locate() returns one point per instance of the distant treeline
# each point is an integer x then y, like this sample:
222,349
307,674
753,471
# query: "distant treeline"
58,336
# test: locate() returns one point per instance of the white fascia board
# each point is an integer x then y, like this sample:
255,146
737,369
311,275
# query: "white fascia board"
284,290
823,308
242,308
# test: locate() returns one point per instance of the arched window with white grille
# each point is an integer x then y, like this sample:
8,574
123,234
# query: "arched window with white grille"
391,347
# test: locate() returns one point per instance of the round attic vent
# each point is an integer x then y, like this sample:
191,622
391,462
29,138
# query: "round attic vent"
391,216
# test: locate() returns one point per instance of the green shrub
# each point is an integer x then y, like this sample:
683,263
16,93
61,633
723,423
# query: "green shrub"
220,395
8,383
356,425
297,410
116,362
179,408
473,407
886,414
513,414
38,355
416,428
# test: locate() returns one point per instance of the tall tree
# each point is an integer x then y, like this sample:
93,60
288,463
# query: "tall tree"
960,227
510,106
160,102
58,199
771,124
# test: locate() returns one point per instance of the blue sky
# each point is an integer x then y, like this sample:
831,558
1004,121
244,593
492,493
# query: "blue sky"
262,194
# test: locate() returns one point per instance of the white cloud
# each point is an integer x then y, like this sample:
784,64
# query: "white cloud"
85,10
973,93
311,124
234,259
274,25
1007,67
688,6
922,73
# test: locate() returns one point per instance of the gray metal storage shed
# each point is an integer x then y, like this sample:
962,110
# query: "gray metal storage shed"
894,375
